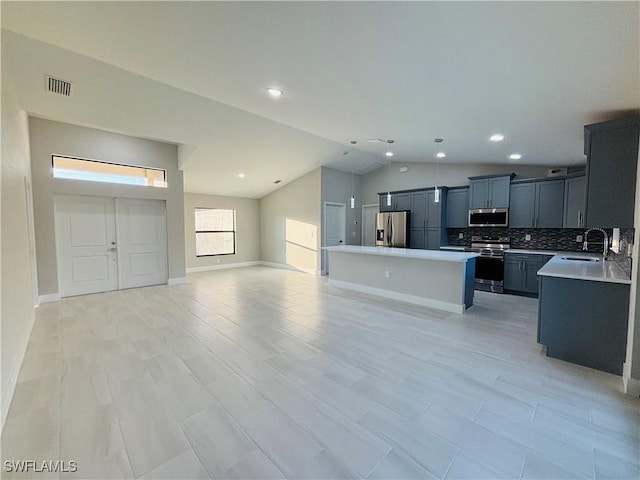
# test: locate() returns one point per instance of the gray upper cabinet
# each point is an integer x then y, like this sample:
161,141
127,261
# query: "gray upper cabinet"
549,204
399,201
536,204
522,207
612,156
402,201
574,198
489,192
479,193
458,207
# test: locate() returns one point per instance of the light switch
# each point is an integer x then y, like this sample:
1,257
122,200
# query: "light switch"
387,274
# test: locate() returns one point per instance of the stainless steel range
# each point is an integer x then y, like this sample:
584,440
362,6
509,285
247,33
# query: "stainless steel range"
490,263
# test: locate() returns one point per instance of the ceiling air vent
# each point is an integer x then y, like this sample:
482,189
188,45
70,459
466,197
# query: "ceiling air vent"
55,85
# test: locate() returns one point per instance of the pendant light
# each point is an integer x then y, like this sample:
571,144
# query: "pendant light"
439,154
352,200
353,196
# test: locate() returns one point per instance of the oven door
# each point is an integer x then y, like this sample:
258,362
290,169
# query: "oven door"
490,273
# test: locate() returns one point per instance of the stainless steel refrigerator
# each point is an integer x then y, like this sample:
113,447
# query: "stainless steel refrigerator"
392,229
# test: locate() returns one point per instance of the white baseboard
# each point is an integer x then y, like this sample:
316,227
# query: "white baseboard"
177,281
284,266
51,297
223,266
425,302
631,385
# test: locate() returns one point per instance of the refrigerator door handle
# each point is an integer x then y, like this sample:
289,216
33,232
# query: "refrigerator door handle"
392,232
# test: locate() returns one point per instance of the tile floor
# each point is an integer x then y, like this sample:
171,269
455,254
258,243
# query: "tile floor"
267,373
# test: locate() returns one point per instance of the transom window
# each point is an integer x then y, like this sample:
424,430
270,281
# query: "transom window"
96,171
215,232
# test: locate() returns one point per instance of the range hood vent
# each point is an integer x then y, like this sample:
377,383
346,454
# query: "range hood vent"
55,85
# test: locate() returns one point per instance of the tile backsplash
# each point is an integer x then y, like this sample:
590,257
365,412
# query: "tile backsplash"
558,239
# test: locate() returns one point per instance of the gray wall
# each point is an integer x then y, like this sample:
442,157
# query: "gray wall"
337,187
16,279
247,229
290,224
48,137
420,175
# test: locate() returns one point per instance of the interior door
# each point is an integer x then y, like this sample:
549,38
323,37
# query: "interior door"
334,228
369,225
142,242
86,245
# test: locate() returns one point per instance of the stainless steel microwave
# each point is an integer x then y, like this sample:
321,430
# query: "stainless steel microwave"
489,217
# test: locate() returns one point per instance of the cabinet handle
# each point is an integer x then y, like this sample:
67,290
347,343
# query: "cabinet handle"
580,221
532,222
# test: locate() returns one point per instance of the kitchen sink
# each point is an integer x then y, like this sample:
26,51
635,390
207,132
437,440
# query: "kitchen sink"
582,259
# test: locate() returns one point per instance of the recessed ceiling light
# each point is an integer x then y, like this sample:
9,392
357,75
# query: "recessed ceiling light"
497,137
441,155
515,156
241,175
274,92
389,154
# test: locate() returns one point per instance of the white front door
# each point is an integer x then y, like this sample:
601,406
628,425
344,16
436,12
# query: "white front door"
86,245
369,214
107,244
334,229
142,242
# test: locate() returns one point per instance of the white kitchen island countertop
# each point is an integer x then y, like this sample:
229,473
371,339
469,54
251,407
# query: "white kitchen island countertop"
434,255
600,271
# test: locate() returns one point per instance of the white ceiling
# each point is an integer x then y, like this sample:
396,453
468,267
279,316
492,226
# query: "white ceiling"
194,73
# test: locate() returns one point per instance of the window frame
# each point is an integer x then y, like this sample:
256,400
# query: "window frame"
234,231
92,160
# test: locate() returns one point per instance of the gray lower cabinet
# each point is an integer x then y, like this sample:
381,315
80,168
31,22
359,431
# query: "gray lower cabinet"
521,272
434,238
537,204
457,215
574,198
584,322
417,238
425,238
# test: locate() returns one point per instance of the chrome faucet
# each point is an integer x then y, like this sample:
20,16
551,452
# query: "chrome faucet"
605,250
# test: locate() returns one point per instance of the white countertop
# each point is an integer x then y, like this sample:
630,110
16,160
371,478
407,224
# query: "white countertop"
534,252
451,247
602,271
435,255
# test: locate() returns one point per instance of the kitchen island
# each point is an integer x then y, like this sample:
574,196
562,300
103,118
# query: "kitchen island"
438,279
583,311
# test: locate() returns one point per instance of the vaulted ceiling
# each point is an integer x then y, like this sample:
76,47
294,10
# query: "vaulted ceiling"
195,74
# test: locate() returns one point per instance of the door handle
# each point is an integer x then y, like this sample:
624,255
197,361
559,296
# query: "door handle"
114,249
